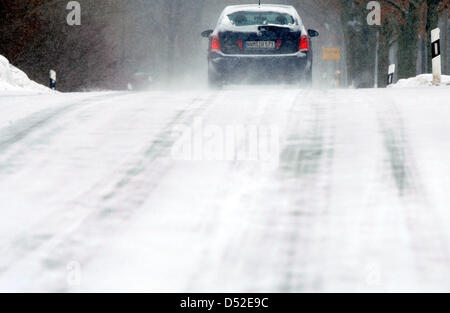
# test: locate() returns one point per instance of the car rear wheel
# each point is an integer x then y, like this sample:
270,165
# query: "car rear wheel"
302,79
214,81
306,79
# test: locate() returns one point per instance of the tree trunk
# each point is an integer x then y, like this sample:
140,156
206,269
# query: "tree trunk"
407,54
173,13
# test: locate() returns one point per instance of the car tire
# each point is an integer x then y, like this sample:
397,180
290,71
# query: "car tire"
215,81
306,79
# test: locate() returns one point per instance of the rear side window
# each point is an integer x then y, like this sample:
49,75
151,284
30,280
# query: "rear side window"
260,18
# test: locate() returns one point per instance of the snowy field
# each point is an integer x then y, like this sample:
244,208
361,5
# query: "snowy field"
342,190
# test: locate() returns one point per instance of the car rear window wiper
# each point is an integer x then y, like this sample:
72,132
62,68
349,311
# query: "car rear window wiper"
273,28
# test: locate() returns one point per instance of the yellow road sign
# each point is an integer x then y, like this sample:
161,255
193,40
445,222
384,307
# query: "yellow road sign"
331,53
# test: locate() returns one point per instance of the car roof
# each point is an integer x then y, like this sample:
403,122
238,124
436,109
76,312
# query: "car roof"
288,9
263,7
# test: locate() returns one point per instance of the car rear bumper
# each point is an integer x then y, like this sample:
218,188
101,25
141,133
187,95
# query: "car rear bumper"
260,66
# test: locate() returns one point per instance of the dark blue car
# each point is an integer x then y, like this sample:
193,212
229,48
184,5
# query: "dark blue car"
262,43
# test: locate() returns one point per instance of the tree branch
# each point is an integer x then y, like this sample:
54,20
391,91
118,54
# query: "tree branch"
397,6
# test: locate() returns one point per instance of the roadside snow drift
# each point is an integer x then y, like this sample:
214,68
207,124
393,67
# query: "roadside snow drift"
13,79
424,80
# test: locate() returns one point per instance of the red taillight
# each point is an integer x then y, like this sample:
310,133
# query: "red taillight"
215,43
304,44
241,44
279,42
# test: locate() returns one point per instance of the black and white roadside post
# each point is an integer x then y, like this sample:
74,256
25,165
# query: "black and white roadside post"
391,72
52,79
436,55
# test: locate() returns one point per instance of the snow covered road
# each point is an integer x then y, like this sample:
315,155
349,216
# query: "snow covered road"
342,190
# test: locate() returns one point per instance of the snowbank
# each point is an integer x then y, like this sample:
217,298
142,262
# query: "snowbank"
13,79
421,81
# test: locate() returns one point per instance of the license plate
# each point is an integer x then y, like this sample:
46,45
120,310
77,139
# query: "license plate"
260,45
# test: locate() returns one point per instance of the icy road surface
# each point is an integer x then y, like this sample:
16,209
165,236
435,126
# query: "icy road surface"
95,197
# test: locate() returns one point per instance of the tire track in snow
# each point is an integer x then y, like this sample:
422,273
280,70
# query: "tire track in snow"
37,122
24,127
234,257
306,167
264,246
428,241
121,198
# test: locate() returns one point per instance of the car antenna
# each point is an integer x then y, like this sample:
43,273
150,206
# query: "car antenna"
259,2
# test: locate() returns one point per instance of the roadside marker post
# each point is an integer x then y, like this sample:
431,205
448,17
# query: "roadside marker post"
337,75
436,55
391,72
52,79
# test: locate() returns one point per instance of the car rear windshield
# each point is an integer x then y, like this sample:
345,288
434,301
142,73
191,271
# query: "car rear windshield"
260,18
